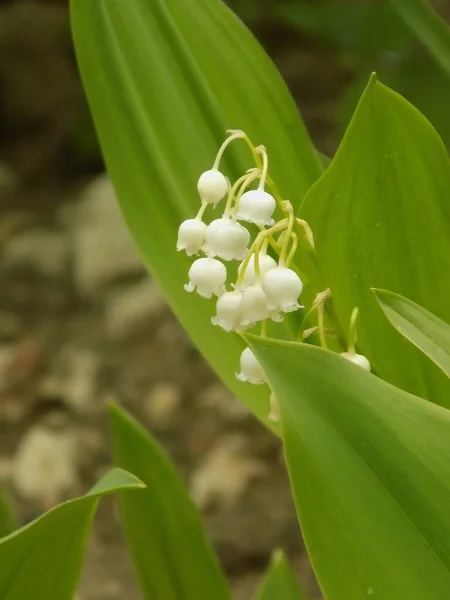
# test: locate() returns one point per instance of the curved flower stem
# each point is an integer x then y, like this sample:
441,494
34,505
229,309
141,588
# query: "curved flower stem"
320,325
352,332
289,209
236,134
265,168
263,331
201,212
263,235
293,249
242,183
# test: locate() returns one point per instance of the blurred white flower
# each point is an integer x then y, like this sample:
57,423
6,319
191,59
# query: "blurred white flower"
357,359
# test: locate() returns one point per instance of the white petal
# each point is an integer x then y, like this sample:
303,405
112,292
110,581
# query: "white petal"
251,369
357,359
212,186
257,206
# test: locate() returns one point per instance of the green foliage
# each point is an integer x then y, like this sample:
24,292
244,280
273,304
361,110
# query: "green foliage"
161,66
368,29
369,463
429,27
44,559
163,529
390,168
430,334
370,471
279,582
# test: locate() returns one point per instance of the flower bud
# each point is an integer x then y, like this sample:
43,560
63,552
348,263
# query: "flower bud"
357,359
266,263
227,239
256,206
207,276
228,309
191,236
282,287
253,306
212,186
251,370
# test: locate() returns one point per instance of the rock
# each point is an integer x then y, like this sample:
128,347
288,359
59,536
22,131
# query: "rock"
103,248
225,473
6,468
45,466
130,310
217,397
44,251
6,360
162,404
74,379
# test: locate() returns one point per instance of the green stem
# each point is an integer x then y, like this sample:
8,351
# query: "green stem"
201,212
352,332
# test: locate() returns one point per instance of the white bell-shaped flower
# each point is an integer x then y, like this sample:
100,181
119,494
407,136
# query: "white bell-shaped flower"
227,239
207,276
282,287
266,263
357,359
257,206
251,370
228,311
212,186
191,235
254,305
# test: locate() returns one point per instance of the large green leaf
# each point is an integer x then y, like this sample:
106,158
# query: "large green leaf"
43,559
430,28
381,218
370,470
280,582
163,528
165,79
419,326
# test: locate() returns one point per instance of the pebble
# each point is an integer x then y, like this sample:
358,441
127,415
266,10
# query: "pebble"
44,251
225,473
132,309
45,466
162,404
103,248
217,397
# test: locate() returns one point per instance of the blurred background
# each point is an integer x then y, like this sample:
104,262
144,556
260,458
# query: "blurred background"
81,322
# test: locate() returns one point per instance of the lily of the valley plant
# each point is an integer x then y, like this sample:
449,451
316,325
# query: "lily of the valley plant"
284,257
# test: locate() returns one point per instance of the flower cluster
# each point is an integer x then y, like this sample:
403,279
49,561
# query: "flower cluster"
267,285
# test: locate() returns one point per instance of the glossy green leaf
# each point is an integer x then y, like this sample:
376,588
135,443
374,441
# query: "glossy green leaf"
381,218
430,28
430,334
7,521
164,80
162,526
370,470
280,582
43,559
